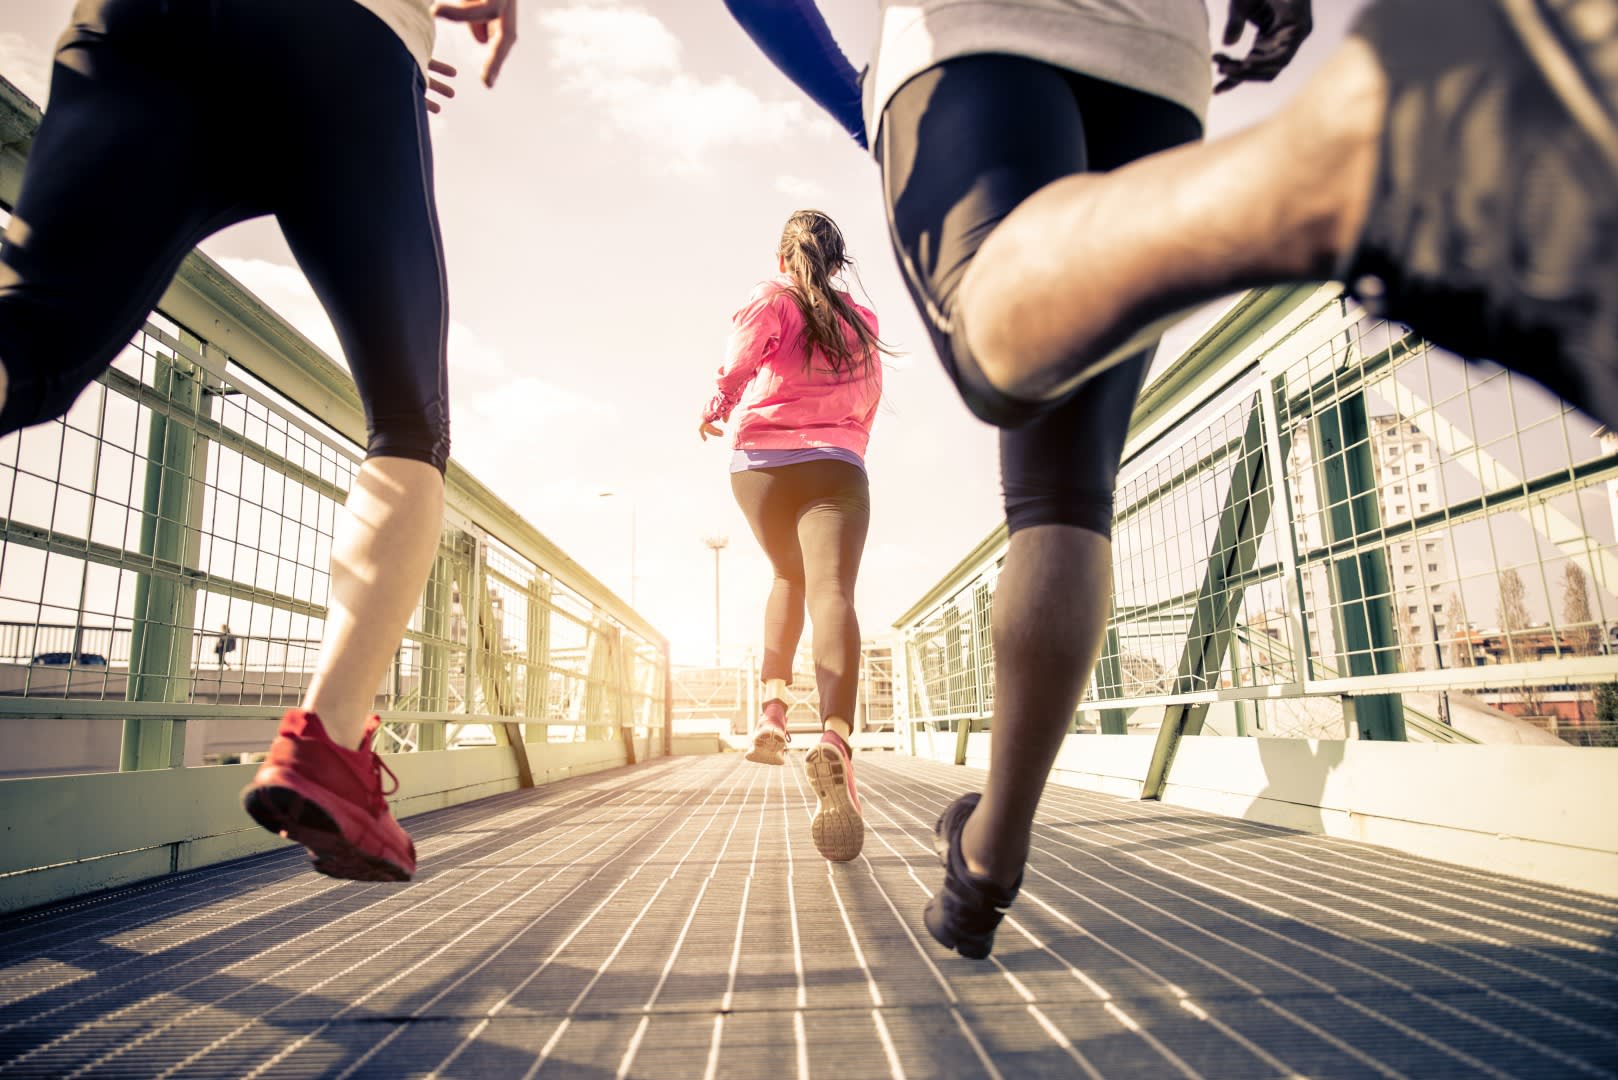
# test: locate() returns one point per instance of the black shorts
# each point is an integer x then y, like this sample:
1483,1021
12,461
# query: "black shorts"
171,119
961,146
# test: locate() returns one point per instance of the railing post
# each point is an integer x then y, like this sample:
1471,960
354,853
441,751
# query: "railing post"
1110,672
1361,584
165,603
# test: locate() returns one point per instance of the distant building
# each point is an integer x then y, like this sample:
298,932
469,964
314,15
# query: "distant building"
1405,463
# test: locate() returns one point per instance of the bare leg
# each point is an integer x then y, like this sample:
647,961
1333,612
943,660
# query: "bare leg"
381,555
1061,286
1050,613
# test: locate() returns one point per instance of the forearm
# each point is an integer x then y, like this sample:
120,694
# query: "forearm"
794,35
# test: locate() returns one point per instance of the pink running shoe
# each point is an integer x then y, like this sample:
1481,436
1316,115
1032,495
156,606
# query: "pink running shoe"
330,800
838,828
770,738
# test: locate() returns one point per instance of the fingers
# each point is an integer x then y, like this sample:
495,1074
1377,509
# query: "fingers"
443,89
1282,26
472,11
438,67
1235,22
505,36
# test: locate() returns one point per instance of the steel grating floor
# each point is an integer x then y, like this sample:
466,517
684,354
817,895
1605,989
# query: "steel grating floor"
674,920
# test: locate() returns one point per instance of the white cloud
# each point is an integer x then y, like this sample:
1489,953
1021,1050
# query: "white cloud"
800,189
626,61
28,68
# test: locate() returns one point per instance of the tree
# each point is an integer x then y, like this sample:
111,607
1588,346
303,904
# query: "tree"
1513,624
1580,629
1606,733
1513,612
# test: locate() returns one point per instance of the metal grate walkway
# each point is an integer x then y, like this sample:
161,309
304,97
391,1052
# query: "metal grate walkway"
674,920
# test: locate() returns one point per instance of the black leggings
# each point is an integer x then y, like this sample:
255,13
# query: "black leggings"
961,146
171,119
811,520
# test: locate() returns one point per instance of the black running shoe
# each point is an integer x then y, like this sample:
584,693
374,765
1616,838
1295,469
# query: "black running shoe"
964,913
1492,215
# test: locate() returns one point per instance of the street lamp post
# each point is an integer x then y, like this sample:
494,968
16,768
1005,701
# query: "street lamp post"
634,578
717,543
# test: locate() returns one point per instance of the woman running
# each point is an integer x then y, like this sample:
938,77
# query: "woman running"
971,108
804,368
95,238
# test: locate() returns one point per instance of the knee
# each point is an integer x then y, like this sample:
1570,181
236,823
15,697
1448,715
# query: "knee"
1030,505
421,435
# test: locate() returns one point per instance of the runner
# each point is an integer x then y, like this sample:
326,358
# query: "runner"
804,369
971,108
313,111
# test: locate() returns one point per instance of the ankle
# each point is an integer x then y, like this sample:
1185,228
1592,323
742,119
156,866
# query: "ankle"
844,730
1000,862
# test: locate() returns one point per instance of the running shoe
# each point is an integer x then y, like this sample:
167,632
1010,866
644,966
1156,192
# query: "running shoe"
963,914
330,800
1495,203
837,828
770,737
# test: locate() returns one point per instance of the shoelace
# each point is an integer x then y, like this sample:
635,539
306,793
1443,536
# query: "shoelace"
379,797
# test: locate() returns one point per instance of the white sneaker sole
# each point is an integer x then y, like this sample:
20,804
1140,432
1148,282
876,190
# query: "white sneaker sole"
769,747
838,829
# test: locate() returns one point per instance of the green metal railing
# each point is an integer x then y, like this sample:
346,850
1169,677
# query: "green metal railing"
1325,528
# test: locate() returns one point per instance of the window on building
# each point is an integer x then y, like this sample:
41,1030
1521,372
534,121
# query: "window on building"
1415,608
1432,568
1437,608
1430,546
1421,487
1399,508
1426,507
1398,489
1394,470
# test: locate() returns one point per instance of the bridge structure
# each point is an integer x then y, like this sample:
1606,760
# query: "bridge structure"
1340,801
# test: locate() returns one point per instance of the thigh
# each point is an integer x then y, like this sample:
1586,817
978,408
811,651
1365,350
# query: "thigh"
114,194
961,146
769,501
359,213
1061,468
833,521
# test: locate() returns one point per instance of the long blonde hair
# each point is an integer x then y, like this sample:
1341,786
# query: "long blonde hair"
812,250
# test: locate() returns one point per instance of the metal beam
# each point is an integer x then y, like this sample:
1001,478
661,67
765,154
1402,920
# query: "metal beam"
1361,584
1242,521
165,608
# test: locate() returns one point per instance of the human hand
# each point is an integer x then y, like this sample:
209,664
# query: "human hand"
435,86
490,20
1282,26
708,429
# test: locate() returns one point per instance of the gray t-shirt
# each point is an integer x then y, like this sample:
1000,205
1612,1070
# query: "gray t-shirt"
1156,46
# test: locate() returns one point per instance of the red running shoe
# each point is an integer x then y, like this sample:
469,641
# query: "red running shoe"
330,800
838,827
770,738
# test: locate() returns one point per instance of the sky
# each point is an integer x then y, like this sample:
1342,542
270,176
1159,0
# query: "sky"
606,208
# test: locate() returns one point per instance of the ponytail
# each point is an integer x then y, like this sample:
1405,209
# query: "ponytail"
812,249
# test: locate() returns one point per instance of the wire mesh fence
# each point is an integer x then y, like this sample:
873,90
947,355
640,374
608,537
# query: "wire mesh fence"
167,543
1342,532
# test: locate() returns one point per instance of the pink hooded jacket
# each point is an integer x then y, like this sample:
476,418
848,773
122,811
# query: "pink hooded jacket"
787,403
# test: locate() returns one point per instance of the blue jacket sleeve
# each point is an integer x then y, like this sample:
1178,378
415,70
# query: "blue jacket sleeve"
794,35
